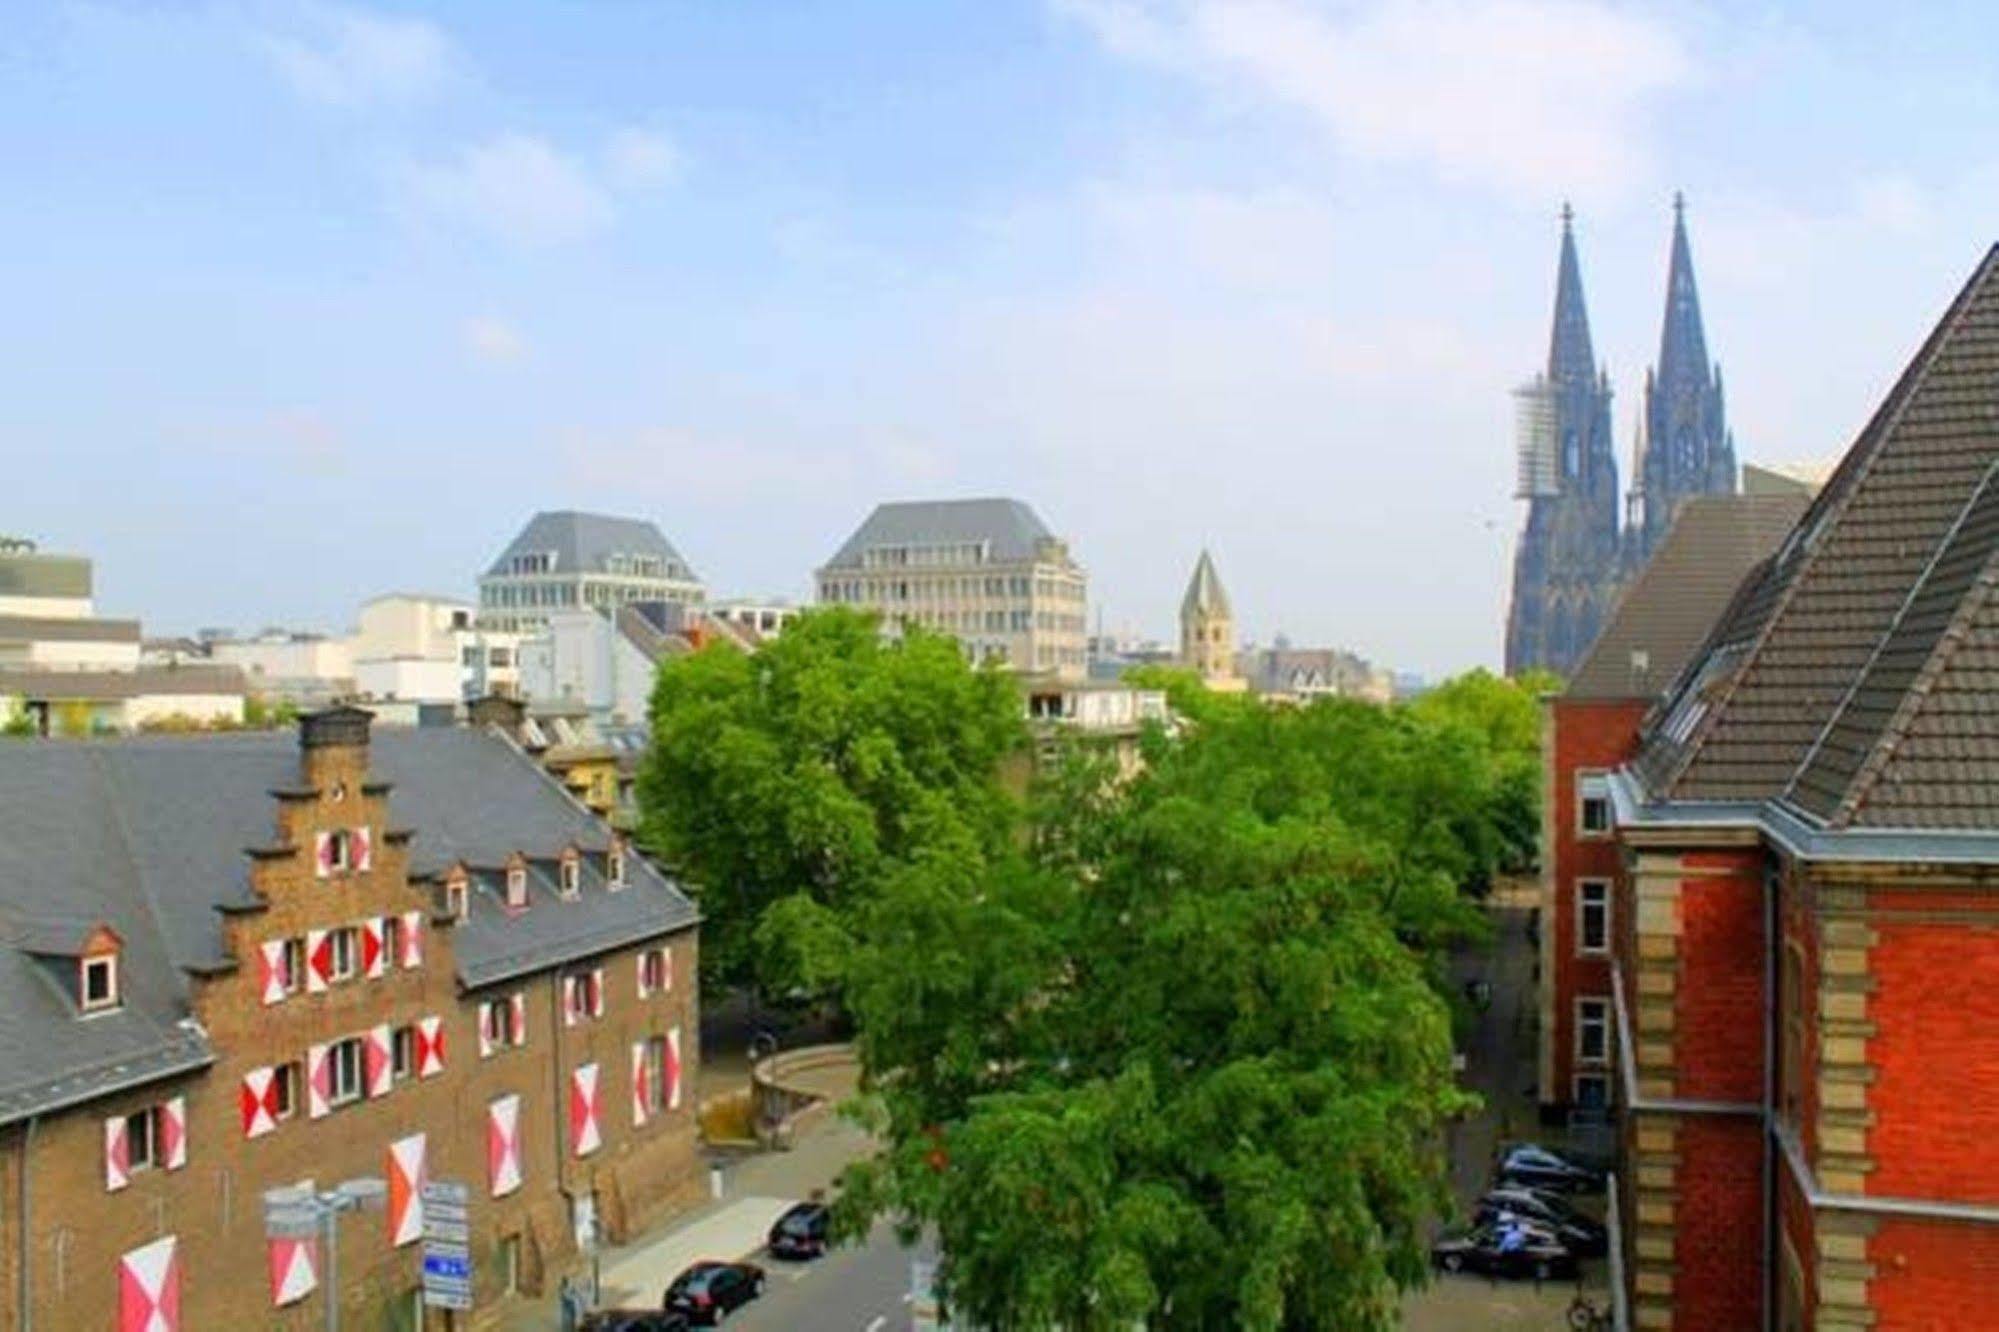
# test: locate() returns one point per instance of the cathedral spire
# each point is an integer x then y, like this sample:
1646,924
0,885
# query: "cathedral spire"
1682,341
1571,360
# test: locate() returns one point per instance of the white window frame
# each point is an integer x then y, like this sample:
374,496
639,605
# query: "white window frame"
1583,801
108,964
653,962
517,888
343,948
1583,905
340,847
142,1140
614,866
570,876
1602,1022
339,1055
295,964
285,1081
402,1053
457,898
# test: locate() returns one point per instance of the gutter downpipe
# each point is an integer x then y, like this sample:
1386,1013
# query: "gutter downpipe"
23,1284
1772,1214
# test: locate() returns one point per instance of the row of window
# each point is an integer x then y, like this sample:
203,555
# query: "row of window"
1018,588
319,959
521,596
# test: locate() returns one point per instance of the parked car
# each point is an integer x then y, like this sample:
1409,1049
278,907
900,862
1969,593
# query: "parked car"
801,1232
1539,1168
706,1293
635,1320
1538,1253
1585,1236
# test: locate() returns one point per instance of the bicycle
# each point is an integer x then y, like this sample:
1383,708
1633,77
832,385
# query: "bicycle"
1586,1317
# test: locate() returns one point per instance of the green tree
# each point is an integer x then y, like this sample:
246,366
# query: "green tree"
1506,718
790,782
1184,1059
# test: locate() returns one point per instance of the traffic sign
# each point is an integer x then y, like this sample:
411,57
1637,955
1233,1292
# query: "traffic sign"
447,1255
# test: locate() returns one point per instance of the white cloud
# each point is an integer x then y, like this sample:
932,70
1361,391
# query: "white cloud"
518,187
1532,98
637,158
494,340
352,57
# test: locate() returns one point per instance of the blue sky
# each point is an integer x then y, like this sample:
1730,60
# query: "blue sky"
309,301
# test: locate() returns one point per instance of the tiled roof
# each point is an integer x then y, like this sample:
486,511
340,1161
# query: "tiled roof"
1666,612
150,835
1886,571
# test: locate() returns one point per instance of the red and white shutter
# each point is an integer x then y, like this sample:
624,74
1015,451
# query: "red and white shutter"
149,1288
271,976
639,1111
503,1145
318,1083
429,1046
645,980
172,1146
361,849
258,1102
597,993
377,1060
318,960
406,1178
569,1004
585,1135
294,1270
519,1003
665,970
373,961
322,854
117,1171
485,1029
412,939
670,1094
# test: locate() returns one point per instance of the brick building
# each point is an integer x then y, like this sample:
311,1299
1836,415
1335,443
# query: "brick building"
1805,961
231,964
1592,727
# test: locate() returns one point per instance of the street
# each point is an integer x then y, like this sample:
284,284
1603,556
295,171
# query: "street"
864,1289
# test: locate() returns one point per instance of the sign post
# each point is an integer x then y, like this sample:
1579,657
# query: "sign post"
447,1251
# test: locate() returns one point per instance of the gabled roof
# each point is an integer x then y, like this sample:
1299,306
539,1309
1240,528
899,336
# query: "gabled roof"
1666,612
1010,530
152,835
1205,594
584,543
1859,653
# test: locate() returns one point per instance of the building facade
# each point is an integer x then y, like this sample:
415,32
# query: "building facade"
1591,728
1572,558
1805,944
427,649
236,964
986,571
567,560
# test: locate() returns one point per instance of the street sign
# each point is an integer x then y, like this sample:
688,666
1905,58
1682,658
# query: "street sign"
447,1255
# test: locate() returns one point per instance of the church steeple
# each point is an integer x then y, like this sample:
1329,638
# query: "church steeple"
1207,628
1571,359
1682,340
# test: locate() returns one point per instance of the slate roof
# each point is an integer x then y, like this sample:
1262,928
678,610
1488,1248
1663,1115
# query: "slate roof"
54,629
584,542
1205,593
1010,528
1854,673
110,684
149,835
1666,612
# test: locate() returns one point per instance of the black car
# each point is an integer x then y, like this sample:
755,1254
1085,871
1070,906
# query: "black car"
635,1320
801,1232
1537,1253
1586,1237
1539,1168
709,1292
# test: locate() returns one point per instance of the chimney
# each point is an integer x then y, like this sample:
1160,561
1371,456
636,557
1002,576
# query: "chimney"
499,710
333,747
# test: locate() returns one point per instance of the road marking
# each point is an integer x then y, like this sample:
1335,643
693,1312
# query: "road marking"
881,1321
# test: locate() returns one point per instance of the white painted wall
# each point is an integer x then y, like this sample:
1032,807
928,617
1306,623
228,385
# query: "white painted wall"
201,707
436,680
48,608
582,658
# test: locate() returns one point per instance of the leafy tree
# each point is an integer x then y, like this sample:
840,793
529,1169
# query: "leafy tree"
1506,717
791,782
1183,1060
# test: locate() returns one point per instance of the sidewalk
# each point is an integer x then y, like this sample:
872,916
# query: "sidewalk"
755,1190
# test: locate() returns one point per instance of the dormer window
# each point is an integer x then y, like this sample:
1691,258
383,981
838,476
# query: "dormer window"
99,983
456,895
572,873
614,865
517,885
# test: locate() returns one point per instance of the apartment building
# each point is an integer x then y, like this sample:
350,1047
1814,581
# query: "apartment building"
1804,961
567,560
986,571
232,964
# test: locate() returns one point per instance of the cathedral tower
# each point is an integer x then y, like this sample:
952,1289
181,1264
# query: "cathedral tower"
1207,629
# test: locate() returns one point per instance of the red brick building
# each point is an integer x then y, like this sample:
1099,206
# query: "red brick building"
1592,728
232,964
1805,960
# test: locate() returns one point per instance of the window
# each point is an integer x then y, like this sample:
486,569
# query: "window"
614,865
468,656
455,898
652,969
140,1137
1593,816
583,996
284,1090
343,1071
402,1053
392,940
572,874
500,657
1592,1091
339,854
505,1024
1593,916
517,887
1592,1031
100,982
294,961
343,945
654,1090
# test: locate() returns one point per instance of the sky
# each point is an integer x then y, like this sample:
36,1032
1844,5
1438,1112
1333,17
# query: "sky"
303,301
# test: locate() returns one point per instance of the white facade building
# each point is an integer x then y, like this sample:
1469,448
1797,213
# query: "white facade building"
582,561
